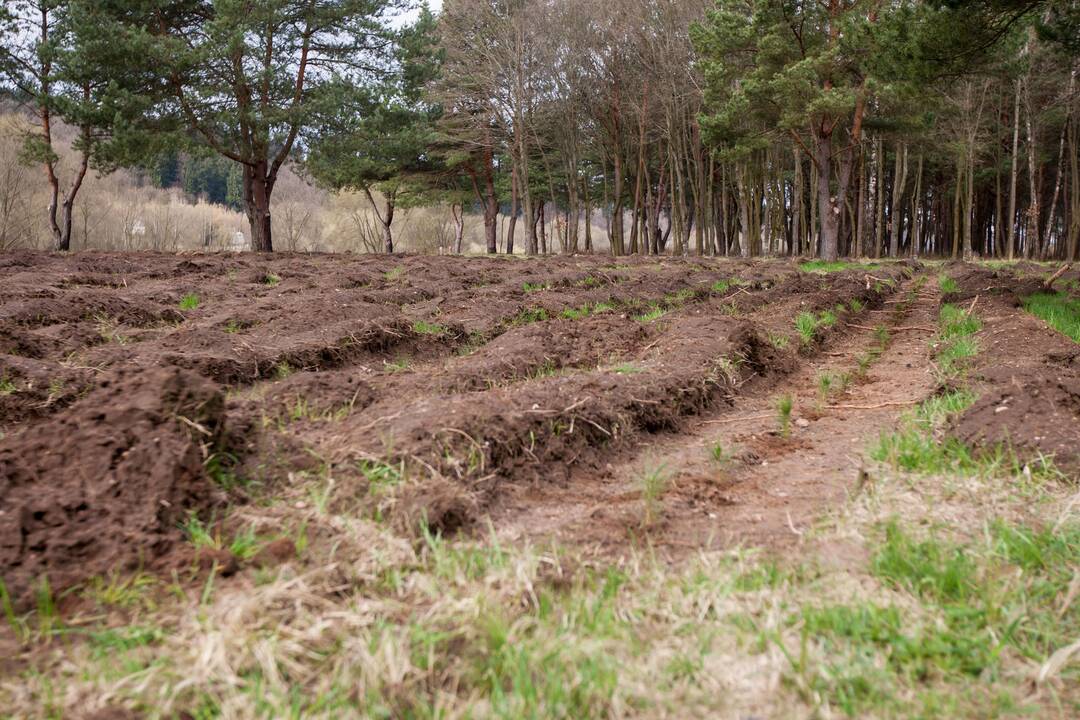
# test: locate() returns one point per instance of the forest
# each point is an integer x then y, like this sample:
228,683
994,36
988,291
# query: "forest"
745,128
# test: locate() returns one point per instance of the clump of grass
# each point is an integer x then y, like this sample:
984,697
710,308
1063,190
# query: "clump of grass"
421,327
780,342
825,385
821,266
283,370
271,279
806,324
627,369
590,282
956,342
189,302
827,319
654,483
947,284
721,286
720,454
233,326
7,386
109,330
381,477
784,405
956,322
679,298
534,287
221,469
914,448
528,316
399,365
1059,310
856,305
655,313
395,273
881,335
548,368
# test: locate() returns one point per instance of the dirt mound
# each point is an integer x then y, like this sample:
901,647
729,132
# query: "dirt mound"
1035,411
104,486
978,281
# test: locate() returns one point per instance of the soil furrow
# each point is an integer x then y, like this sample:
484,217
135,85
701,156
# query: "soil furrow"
765,489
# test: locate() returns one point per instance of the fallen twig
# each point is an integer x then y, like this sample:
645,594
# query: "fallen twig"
899,403
738,419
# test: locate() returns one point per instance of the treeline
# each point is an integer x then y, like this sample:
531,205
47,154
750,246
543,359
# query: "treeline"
730,127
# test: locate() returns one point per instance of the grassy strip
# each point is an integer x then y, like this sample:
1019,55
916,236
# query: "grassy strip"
1059,310
821,266
955,343
964,612
941,627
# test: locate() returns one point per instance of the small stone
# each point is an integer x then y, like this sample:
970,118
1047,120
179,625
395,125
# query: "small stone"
1000,409
802,422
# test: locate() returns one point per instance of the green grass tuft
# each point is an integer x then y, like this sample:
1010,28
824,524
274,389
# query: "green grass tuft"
784,406
820,266
806,324
1059,310
656,313
654,483
528,316
189,302
420,327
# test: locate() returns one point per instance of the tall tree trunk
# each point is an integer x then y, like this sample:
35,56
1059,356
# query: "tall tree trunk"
1074,185
1014,167
386,216
860,219
1051,211
829,205
1031,231
458,211
587,197
896,212
744,210
969,199
916,211
514,210
491,205
257,189
879,195
796,206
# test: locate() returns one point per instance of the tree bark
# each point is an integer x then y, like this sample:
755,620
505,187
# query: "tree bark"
1013,171
512,225
257,190
896,213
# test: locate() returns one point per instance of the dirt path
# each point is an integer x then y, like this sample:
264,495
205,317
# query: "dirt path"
769,489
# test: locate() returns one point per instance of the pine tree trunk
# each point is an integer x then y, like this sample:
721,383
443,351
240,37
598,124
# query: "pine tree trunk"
257,206
829,205
512,225
896,212
879,195
1014,168
860,220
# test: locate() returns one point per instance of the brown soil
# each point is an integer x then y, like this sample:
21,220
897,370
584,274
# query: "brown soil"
533,392
104,486
1027,375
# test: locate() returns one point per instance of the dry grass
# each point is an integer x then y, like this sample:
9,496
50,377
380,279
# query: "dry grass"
365,622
